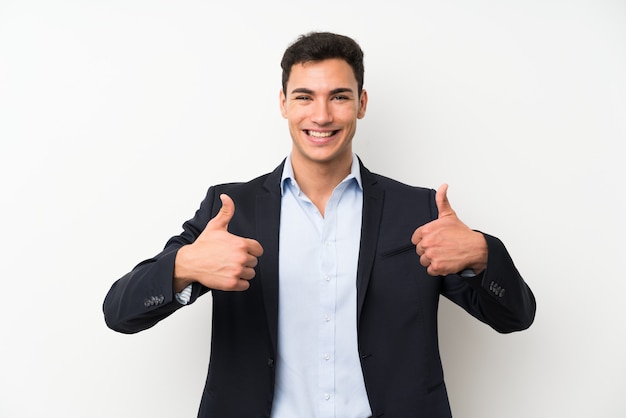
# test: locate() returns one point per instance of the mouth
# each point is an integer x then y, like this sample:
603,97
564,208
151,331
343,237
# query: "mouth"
321,135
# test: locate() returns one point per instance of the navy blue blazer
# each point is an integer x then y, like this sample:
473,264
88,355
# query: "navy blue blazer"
397,301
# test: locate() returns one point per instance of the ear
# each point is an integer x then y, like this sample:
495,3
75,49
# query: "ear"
283,103
362,104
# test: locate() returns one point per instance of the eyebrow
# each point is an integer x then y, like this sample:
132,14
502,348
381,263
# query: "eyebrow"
334,91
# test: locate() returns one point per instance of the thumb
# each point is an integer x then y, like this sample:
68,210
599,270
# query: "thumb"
443,205
223,217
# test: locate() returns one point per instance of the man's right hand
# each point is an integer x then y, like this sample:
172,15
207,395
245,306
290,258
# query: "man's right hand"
218,259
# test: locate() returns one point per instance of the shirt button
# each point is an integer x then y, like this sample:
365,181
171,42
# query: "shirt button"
327,278
326,396
326,357
327,318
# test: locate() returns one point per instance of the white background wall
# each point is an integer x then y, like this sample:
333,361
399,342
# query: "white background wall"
115,116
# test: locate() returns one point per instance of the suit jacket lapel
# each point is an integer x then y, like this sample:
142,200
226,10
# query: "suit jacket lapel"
268,229
372,211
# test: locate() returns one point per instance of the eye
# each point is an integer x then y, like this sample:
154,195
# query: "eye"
341,98
303,98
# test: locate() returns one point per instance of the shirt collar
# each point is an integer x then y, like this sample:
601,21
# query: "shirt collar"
288,175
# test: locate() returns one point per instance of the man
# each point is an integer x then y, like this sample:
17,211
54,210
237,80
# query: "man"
325,277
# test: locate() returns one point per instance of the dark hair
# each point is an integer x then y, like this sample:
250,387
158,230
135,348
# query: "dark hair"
318,46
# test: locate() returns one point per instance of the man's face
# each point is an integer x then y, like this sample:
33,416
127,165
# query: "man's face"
322,105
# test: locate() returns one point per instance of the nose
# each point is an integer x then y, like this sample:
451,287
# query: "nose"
321,113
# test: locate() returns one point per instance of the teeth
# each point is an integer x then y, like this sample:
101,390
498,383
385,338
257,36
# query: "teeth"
318,134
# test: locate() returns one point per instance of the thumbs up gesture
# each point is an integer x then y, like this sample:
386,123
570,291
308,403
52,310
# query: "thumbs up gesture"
218,259
446,245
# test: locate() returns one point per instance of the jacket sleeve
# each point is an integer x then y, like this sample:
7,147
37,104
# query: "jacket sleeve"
145,295
498,296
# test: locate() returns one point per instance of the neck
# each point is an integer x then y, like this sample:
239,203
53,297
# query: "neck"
318,181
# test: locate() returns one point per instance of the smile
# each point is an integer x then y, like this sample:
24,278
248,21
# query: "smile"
320,134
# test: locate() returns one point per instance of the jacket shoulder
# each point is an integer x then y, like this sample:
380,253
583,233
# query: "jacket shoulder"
377,183
389,183
269,181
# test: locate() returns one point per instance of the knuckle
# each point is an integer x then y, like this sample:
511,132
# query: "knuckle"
237,270
240,259
239,244
230,283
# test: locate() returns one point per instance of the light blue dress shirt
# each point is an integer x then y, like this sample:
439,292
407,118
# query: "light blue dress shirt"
318,371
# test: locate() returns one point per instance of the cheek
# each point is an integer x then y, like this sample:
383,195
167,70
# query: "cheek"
296,115
346,113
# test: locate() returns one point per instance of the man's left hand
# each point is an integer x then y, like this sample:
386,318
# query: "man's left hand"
446,245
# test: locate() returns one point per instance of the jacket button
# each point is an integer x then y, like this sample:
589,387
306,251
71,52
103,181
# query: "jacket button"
270,362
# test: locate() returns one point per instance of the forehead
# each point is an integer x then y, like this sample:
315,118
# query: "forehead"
325,74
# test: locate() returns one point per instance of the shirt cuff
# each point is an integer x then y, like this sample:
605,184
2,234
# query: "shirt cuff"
468,273
184,296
